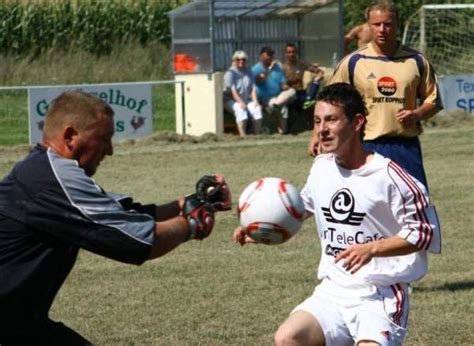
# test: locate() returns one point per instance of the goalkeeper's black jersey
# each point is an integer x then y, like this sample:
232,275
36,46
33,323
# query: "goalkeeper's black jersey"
49,209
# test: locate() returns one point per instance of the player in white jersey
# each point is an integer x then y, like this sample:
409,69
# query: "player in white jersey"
375,224
399,87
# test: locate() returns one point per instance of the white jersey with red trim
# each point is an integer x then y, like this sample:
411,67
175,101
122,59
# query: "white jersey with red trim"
378,200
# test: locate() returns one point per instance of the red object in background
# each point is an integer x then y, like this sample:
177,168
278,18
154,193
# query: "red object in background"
184,63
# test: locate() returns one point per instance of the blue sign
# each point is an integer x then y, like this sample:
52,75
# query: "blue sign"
457,92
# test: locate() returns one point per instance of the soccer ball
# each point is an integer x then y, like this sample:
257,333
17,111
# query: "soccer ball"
271,210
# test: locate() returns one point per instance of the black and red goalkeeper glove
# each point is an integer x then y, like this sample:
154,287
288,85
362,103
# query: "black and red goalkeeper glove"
214,190
199,216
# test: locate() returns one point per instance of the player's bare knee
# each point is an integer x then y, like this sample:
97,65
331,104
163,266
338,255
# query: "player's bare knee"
283,337
287,336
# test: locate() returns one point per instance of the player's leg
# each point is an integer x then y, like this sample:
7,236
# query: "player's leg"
383,321
310,99
257,117
240,116
367,343
285,97
375,329
281,111
316,321
242,127
283,121
313,90
301,328
42,333
60,334
282,101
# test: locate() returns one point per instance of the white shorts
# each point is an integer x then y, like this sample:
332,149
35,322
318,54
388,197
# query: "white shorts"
349,315
253,111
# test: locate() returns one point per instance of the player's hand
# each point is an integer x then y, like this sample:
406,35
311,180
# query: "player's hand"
199,216
407,117
214,190
355,256
240,237
261,77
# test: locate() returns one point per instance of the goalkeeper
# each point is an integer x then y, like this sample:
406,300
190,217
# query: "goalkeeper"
50,207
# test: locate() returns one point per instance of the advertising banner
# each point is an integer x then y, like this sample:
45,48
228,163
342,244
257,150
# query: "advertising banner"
457,92
132,105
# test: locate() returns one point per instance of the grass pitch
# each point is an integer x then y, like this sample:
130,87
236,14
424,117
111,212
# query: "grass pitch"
215,292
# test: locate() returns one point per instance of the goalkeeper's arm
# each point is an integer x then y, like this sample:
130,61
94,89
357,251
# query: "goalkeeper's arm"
191,217
195,221
168,235
169,210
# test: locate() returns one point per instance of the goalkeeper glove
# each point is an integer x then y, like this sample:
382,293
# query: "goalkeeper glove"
214,190
200,217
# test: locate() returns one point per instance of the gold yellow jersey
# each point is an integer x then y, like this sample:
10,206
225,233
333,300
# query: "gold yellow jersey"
388,85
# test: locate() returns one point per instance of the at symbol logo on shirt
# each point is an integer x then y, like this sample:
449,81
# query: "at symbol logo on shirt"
341,209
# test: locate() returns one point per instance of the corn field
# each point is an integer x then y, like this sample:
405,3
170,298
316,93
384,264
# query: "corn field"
32,27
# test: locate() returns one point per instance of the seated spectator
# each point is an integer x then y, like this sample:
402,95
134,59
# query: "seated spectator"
295,70
360,33
240,97
272,90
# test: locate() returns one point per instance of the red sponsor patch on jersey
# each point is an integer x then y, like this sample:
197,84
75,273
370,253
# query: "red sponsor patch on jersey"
387,86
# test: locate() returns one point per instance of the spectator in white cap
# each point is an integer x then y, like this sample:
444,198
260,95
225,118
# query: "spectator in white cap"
240,97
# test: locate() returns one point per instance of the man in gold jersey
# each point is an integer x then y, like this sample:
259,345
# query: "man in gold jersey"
399,88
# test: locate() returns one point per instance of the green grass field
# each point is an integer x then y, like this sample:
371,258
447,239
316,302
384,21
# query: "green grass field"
215,292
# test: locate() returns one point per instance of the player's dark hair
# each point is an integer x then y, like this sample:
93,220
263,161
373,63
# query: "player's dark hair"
267,50
291,44
345,96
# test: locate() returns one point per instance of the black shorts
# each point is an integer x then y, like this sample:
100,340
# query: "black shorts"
404,151
41,334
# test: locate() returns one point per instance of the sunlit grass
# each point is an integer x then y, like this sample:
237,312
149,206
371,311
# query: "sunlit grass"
215,292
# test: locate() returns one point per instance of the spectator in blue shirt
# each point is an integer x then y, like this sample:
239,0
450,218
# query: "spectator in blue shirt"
272,90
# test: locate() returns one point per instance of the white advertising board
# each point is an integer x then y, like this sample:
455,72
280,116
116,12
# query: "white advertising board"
132,105
457,92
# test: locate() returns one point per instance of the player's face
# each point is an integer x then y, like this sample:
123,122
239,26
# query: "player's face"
384,27
290,54
94,144
241,62
266,59
336,134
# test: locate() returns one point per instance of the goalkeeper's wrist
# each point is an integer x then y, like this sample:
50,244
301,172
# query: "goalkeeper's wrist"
181,203
191,233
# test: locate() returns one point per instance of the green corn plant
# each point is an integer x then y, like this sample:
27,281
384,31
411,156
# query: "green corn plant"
94,26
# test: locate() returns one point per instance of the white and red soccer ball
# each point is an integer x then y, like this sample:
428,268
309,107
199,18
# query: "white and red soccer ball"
271,210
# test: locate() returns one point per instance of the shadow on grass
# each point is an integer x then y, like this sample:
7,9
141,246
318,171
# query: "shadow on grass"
449,286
